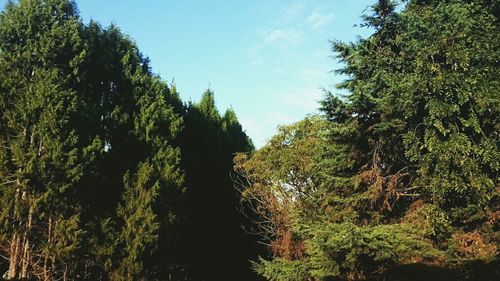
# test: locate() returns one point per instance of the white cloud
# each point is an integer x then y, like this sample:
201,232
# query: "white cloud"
303,99
270,39
293,11
257,62
283,37
254,129
262,127
317,20
276,119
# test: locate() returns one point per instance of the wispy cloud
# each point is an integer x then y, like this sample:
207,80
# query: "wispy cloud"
254,128
273,41
317,20
282,37
303,99
256,62
261,127
282,50
293,11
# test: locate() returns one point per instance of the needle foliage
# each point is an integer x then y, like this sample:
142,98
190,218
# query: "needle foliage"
402,169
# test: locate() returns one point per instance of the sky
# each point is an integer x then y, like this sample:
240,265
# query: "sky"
269,60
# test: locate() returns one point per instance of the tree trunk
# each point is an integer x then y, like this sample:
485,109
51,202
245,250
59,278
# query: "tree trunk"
15,246
26,258
46,260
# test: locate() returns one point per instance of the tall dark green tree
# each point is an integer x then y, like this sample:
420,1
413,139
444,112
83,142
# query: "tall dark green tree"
43,152
216,246
90,171
141,128
95,158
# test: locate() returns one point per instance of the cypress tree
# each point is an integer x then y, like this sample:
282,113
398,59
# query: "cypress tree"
44,153
90,170
216,246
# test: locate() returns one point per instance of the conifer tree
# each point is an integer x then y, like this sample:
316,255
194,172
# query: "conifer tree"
91,185
44,154
89,171
216,246
411,176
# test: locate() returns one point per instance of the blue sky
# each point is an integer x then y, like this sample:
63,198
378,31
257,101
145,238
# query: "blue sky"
267,59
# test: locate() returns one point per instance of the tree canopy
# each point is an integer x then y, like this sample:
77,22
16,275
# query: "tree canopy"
106,174
96,156
405,170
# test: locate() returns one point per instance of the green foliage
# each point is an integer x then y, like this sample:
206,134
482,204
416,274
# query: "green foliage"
348,250
91,183
216,246
282,270
44,155
409,171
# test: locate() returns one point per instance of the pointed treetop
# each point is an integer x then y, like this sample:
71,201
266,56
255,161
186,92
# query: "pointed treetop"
207,105
381,11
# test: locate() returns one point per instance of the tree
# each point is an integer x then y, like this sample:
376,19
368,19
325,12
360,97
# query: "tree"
413,163
90,170
43,153
280,177
216,246
142,132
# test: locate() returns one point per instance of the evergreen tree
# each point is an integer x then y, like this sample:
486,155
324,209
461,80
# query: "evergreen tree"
90,170
91,185
216,246
142,132
43,153
413,159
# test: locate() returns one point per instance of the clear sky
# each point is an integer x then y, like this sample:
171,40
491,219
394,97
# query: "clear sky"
267,59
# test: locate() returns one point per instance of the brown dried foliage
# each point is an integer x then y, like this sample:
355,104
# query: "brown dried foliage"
472,245
269,207
385,190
